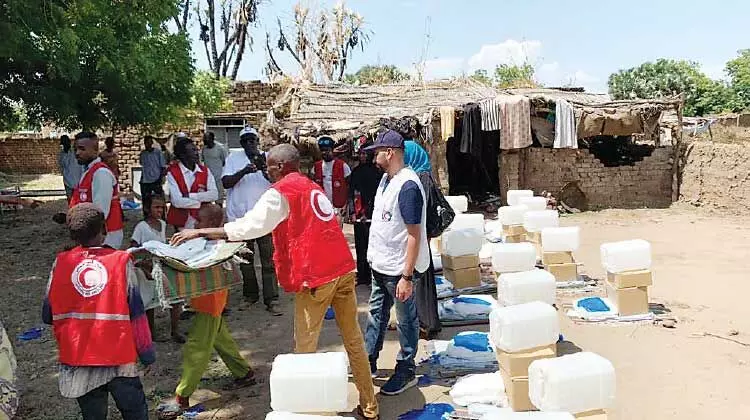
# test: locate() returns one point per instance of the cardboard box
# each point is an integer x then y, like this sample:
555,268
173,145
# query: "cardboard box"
514,230
517,364
461,279
514,239
557,258
629,301
592,415
460,263
517,390
563,272
534,237
639,278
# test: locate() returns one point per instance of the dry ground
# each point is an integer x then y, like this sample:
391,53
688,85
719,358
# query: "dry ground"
700,274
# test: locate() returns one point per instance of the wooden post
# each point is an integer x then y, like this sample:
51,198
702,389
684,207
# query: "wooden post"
677,153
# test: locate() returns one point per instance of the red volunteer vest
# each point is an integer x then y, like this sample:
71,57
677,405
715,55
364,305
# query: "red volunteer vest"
90,314
340,189
83,193
176,216
310,249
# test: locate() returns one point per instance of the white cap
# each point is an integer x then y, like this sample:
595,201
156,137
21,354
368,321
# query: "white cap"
180,135
249,130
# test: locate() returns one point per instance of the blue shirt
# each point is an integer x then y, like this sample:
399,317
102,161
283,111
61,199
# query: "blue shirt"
416,157
410,203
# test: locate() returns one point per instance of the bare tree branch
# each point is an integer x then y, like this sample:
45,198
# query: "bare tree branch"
212,35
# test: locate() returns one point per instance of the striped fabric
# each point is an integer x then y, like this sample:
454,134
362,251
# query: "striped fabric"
96,316
491,115
180,285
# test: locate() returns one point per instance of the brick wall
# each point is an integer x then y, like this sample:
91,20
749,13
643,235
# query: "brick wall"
29,156
646,184
254,98
717,175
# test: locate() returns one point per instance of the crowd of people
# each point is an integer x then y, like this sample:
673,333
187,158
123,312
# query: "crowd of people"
100,300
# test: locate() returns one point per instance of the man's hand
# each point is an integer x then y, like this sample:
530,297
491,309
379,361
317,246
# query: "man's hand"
249,169
184,236
404,290
186,195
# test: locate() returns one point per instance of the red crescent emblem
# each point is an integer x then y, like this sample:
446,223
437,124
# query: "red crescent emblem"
321,206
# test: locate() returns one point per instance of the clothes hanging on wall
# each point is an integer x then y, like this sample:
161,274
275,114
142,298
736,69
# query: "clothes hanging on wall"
477,176
566,136
491,115
447,122
472,130
516,122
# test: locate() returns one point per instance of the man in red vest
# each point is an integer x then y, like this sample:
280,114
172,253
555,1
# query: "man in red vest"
95,308
98,185
332,175
312,259
189,185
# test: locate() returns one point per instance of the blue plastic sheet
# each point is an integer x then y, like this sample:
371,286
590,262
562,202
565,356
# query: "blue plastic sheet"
593,304
428,412
473,342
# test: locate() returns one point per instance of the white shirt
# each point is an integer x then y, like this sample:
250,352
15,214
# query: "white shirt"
144,232
194,200
103,183
245,194
271,209
215,159
328,177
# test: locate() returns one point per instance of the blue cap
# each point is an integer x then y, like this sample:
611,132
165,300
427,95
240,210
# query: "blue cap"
388,138
325,141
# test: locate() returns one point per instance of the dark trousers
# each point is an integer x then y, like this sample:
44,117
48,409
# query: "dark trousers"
127,393
361,239
149,189
427,302
268,272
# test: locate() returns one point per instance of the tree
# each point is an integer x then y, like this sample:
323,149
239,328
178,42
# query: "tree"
738,70
482,77
208,94
321,44
669,78
226,47
92,63
515,76
377,75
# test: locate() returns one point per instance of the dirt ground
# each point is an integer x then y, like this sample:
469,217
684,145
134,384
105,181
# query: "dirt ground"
700,266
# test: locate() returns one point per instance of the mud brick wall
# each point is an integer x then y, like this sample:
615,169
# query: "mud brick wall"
29,156
254,98
717,175
648,183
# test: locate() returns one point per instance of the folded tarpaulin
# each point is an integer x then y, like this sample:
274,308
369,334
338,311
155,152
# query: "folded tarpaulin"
176,285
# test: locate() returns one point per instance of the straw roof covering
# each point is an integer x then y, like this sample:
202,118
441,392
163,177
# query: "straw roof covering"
328,109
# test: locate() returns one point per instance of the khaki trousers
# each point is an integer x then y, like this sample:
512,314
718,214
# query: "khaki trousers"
310,307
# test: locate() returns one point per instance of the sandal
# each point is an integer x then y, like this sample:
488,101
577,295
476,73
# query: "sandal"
244,382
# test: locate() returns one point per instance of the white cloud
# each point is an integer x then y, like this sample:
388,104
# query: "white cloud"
549,68
507,52
441,68
584,78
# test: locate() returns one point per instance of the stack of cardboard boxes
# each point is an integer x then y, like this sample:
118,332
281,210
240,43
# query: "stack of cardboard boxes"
536,239
562,265
514,369
513,234
462,271
628,291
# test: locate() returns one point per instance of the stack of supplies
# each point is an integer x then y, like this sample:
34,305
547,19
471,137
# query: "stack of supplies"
460,256
628,266
511,218
558,245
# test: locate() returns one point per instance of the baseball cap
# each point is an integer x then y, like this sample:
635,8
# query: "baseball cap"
248,130
388,138
325,141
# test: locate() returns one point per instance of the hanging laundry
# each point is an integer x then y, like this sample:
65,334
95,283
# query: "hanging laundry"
491,115
471,136
566,136
516,121
447,122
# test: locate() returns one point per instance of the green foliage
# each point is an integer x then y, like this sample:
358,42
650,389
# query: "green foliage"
92,63
481,77
514,76
738,70
377,75
209,94
669,78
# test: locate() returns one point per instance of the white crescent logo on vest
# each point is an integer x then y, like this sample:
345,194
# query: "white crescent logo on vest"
321,206
89,278
84,196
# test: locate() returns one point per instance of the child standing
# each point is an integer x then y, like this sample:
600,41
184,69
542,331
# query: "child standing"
154,228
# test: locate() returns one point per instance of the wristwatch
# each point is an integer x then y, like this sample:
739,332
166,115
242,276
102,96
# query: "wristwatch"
407,278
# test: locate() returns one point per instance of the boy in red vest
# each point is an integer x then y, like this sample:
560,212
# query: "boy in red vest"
312,258
98,185
209,332
332,175
95,308
189,185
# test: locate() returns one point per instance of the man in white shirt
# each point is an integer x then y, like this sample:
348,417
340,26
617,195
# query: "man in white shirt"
69,167
245,179
332,175
214,155
189,185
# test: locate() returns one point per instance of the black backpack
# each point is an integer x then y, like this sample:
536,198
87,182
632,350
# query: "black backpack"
439,213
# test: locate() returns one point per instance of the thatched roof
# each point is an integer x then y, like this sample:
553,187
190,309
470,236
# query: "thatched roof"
552,95
328,109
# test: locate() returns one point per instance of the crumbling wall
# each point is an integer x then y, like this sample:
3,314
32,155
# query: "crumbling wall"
647,183
716,175
29,155
253,99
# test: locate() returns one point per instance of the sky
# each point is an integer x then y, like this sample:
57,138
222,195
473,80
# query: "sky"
569,42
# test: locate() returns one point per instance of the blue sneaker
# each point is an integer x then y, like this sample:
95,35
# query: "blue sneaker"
373,368
399,382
